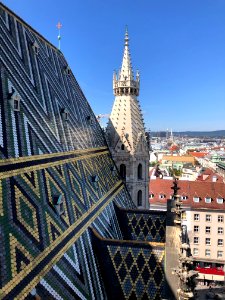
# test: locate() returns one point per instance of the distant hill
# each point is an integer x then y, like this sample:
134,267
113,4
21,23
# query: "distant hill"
216,133
211,134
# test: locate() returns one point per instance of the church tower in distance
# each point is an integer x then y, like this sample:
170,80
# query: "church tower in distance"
125,132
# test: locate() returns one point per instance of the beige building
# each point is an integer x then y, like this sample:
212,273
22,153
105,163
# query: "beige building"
125,132
204,206
206,234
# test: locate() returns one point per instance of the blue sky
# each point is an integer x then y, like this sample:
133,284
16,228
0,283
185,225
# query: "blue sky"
178,46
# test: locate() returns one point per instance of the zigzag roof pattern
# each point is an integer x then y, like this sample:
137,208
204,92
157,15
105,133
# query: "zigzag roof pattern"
57,178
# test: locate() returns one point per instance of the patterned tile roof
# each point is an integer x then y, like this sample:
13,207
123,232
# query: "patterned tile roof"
57,179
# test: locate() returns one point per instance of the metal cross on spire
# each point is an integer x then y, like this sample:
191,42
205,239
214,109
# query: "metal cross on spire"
59,25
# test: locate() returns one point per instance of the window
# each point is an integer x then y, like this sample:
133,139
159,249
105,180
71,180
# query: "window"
113,170
220,242
208,241
64,114
36,48
122,147
195,251
220,230
208,200
151,195
184,197
220,219
196,199
208,229
184,215
94,181
89,120
139,198
196,217
67,70
219,254
16,105
14,100
196,240
58,204
123,171
207,252
219,200
196,228
162,196
140,171
208,218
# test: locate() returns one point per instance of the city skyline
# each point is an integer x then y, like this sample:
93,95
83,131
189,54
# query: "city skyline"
179,49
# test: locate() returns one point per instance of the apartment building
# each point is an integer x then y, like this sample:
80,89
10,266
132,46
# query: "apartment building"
206,234
204,205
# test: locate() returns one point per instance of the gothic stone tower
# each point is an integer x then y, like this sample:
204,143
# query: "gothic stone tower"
125,132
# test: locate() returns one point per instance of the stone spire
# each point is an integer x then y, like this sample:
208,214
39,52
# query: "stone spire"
124,82
125,132
126,119
126,72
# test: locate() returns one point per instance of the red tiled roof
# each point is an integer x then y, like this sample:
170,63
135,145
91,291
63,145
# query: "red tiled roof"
190,189
208,175
198,154
178,158
174,148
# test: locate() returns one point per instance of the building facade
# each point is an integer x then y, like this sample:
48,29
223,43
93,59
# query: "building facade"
126,134
206,235
204,217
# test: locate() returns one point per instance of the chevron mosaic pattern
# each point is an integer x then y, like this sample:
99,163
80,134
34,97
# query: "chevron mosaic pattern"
51,147
139,271
142,225
56,176
147,227
131,270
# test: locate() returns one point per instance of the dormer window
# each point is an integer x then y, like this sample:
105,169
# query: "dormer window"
58,202
89,120
14,100
36,48
183,197
220,200
65,114
208,199
95,180
162,196
113,170
67,70
196,199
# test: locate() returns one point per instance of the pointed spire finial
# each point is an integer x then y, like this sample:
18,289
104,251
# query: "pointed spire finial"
59,25
126,36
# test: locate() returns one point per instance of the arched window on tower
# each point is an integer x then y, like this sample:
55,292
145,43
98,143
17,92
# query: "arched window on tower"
122,147
140,171
139,198
123,171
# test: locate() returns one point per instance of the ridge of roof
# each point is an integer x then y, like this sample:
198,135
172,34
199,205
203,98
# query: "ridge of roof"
25,24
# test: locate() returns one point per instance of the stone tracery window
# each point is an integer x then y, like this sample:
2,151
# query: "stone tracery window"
140,171
139,198
123,171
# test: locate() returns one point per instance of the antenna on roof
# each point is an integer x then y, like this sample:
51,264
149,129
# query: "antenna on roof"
59,25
